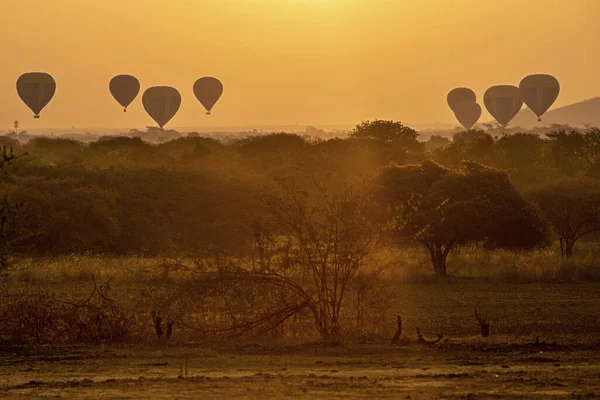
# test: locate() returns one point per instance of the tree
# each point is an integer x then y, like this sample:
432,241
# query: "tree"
437,142
473,145
327,237
591,153
391,132
63,216
55,151
308,247
573,208
575,151
442,208
566,148
521,150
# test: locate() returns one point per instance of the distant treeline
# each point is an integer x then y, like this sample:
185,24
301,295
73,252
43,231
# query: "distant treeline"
121,195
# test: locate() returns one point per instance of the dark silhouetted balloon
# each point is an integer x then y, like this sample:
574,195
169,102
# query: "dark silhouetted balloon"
36,89
161,103
124,89
460,95
503,102
467,113
208,91
539,92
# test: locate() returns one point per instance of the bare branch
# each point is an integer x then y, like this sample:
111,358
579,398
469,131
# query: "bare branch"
422,340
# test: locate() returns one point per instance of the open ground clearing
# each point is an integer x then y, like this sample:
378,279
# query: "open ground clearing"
462,366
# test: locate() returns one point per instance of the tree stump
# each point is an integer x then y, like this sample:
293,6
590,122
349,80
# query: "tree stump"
484,325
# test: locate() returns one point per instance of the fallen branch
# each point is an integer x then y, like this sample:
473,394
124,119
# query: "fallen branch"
260,324
428,342
538,343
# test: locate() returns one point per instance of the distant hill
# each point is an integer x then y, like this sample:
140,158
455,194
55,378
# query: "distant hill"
583,113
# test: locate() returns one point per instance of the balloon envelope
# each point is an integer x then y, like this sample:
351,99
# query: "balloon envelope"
503,102
36,89
161,103
467,113
539,92
460,95
124,89
208,91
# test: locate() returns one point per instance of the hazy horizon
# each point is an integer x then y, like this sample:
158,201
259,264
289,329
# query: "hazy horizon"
291,62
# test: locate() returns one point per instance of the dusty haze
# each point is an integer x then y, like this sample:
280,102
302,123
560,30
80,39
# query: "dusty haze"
291,61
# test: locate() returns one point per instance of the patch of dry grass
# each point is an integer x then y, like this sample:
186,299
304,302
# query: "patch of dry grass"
412,265
517,292
79,268
540,266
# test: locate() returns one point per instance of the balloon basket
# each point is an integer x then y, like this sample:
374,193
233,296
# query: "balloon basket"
208,113
36,116
124,110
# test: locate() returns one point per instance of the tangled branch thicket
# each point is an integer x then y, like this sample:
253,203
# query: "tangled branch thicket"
306,253
41,317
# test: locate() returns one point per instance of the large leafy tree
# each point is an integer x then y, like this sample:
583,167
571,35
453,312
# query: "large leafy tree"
573,208
473,145
573,151
391,132
442,208
521,150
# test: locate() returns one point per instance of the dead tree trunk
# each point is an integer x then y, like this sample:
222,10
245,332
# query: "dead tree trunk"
157,320
158,327
483,325
169,332
399,331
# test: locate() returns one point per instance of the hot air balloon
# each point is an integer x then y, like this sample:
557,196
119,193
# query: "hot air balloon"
503,102
208,90
36,89
467,113
161,103
539,92
124,89
459,95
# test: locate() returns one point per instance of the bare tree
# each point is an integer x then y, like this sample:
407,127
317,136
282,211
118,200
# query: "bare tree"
308,247
326,238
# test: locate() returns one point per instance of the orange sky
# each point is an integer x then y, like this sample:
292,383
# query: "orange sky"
291,61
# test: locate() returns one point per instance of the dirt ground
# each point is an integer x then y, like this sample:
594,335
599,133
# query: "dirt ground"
463,365
410,371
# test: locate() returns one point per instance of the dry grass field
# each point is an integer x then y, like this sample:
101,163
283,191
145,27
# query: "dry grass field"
564,317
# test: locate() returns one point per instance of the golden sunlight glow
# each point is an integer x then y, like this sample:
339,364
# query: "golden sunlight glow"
293,61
